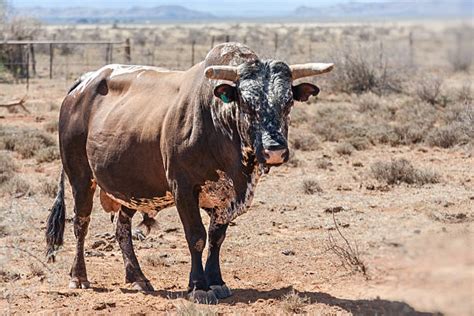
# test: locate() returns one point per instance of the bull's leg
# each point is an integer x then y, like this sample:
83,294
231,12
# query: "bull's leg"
188,209
133,273
213,269
83,193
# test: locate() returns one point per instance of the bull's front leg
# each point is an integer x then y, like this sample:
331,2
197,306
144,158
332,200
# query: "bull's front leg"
213,269
188,209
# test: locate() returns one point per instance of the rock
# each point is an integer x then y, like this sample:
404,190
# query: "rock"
98,243
288,252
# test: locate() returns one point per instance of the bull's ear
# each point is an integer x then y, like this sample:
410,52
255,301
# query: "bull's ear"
303,91
226,93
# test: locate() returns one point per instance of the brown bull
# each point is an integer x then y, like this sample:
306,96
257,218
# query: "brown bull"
151,139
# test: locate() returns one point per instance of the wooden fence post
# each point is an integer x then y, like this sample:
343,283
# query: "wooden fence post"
212,41
33,59
276,42
128,55
227,38
192,52
51,56
27,67
411,52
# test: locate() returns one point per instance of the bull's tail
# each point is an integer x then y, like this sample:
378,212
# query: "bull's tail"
56,221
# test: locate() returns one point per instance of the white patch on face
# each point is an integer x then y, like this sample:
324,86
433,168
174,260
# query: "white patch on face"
150,206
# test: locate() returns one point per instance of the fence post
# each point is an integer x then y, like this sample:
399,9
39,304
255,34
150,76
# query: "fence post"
128,55
192,52
410,42
27,68
51,56
107,54
33,59
276,42
227,38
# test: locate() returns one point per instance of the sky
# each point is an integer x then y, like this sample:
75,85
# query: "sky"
219,7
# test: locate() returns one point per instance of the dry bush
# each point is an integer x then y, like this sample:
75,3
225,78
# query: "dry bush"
7,168
293,303
47,154
344,149
364,68
25,141
428,89
368,102
186,308
17,186
303,141
401,170
347,253
311,186
445,136
51,126
323,163
359,142
36,270
49,187
464,94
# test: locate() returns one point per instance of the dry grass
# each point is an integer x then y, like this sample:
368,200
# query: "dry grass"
293,303
428,89
401,170
49,187
187,308
311,186
460,56
154,260
347,252
26,141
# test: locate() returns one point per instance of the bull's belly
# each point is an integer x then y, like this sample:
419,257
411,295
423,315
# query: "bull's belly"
218,198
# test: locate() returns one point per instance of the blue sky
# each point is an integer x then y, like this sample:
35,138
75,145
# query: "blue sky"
224,7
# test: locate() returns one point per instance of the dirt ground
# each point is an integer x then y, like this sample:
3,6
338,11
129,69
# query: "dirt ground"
415,241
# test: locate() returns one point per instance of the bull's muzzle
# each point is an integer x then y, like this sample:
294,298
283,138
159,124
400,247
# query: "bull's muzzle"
275,157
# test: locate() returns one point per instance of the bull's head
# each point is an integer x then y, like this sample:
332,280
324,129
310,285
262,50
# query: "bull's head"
264,93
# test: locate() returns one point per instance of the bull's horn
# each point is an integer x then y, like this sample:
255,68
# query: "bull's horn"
311,69
222,73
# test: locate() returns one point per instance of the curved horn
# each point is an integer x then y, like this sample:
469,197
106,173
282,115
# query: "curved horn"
222,73
311,69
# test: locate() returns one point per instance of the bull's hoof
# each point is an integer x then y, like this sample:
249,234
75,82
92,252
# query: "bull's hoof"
78,284
221,291
143,286
203,297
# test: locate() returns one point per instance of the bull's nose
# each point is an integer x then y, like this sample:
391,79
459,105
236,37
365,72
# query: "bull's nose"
274,157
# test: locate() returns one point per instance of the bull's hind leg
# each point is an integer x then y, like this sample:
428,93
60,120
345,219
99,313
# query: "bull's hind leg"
213,269
83,193
133,273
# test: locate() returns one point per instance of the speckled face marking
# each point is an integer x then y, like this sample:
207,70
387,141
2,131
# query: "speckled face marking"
265,101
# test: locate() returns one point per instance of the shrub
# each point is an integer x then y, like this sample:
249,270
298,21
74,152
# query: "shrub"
345,149
47,154
25,141
445,136
428,89
304,141
460,57
293,303
365,68
368,102
7,168
401,170
311,186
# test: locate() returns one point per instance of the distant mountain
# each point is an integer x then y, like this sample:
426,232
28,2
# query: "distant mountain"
94,15
400,9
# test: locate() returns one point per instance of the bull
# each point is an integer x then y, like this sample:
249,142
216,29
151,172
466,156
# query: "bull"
150,139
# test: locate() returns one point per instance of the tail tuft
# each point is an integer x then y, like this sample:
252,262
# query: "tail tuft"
56,222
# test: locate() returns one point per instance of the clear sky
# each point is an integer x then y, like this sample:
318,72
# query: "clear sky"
219,7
